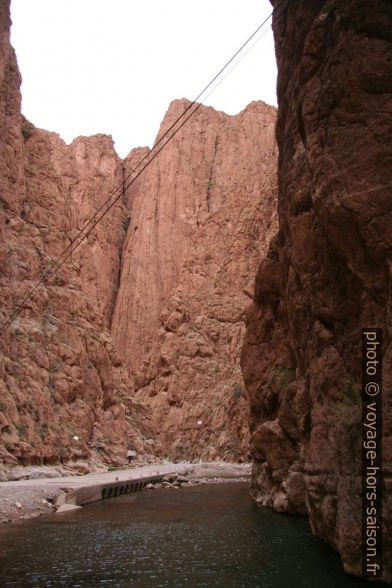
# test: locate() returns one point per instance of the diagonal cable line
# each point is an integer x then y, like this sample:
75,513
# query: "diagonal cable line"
235,65
107,205
126,186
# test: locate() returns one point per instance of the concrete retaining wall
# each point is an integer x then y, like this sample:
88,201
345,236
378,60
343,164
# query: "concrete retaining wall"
99,491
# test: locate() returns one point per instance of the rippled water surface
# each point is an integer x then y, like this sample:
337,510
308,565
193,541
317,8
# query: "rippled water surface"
202,536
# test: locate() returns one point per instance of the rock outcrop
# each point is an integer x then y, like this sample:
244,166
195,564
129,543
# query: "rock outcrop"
135,342
200,222
327,272
64,396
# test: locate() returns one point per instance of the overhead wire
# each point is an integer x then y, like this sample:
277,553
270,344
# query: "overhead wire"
235,64
150,156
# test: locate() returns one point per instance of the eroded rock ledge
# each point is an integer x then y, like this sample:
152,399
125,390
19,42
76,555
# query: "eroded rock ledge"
327,272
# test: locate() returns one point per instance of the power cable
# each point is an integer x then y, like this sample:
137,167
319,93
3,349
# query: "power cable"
95,219
235,65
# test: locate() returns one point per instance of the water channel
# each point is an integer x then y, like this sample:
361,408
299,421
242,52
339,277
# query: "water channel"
205,536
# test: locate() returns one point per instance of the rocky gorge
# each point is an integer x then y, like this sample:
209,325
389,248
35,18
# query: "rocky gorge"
200,220
155,335
135,342
327,272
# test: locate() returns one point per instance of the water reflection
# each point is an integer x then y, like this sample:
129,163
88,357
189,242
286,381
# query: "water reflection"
192,537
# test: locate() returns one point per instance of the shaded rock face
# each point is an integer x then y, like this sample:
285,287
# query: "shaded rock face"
200,222
327,273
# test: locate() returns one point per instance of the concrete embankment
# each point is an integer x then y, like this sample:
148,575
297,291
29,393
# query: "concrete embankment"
30,498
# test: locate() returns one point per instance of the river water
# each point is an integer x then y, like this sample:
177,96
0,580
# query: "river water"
210,535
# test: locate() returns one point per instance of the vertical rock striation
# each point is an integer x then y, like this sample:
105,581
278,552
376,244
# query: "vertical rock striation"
136,340
200,222
328,270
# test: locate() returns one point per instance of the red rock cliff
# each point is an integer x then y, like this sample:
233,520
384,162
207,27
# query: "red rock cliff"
60,378
168,272
201,219
327,272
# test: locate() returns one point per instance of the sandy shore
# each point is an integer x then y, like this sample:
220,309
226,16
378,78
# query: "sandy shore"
38,491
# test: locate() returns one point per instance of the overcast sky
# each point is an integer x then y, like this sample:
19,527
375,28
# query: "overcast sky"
100,66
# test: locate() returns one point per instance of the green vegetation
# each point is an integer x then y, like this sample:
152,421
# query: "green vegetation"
236,392
349,409
126,223
345,414
351,392
27,130
22,430
280,377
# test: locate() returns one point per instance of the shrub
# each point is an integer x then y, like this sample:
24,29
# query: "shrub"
236,392
22,430
27,130
280,377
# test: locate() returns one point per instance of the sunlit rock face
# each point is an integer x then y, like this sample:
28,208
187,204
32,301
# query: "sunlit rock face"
201,220
328,270
64,396
135,343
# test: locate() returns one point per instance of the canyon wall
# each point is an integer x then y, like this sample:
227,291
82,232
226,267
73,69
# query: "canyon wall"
201,220
135,342
64,396
327,273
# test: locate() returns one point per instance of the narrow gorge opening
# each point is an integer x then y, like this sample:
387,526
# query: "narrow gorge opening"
214,313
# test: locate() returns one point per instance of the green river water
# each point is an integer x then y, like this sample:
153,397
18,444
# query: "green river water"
209,535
